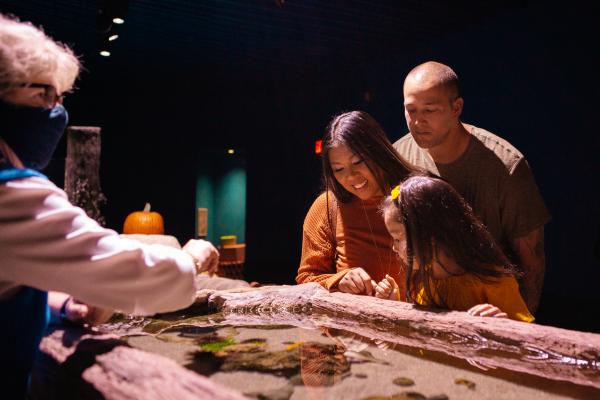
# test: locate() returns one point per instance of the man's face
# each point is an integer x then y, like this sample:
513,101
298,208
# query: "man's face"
430,112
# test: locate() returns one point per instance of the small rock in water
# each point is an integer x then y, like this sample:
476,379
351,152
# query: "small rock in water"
466,382
256,341
401,381
400,396
409,396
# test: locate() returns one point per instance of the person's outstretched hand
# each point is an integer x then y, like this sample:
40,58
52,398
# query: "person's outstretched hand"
357,281
387,289
204,254
487,310
81,313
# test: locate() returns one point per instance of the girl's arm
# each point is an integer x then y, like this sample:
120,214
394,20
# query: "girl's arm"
504,294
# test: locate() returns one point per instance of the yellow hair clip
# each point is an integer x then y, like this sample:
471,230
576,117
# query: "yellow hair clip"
395,193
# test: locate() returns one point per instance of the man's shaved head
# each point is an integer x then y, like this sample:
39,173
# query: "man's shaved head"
432,74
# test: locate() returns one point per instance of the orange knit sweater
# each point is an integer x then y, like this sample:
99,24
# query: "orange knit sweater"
361,240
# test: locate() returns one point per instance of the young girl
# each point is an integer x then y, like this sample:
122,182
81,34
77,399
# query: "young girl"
452,261
345,242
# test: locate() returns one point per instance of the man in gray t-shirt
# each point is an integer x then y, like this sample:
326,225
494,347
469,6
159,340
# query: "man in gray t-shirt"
491,174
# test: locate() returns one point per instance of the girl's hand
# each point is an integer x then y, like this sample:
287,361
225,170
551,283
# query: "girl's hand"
357,281
387,289
487,310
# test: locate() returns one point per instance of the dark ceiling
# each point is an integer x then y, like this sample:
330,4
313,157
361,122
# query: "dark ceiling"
256,36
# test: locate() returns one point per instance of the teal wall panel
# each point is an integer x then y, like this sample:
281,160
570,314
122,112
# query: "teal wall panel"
221,187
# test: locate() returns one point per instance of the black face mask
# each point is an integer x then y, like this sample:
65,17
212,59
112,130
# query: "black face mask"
33,133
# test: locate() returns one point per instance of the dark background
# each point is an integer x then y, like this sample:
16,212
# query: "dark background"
265,77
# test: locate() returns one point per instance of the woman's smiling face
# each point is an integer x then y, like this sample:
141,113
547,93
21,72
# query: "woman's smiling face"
351,171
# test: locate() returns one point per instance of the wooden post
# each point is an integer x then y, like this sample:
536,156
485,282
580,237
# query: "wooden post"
82,170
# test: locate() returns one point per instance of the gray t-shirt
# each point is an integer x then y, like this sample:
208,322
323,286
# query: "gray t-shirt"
494,178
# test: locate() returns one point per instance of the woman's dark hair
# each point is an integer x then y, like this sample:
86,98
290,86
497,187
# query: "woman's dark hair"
364,136
437,218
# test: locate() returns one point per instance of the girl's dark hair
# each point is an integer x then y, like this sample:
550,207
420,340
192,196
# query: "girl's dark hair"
437,218
364,136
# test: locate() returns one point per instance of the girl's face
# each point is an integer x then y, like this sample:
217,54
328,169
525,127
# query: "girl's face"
398,233
352,173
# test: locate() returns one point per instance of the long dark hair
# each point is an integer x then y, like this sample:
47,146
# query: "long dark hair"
437,218
364,136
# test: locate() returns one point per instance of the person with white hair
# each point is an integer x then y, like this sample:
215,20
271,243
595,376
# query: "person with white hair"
46,243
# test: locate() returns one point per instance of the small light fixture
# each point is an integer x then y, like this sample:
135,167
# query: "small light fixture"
118,20
105,53
112,37
230,151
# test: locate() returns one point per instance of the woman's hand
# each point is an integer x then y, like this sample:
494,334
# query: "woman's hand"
357,281
204,254
487,310
387,289
81,313
64,308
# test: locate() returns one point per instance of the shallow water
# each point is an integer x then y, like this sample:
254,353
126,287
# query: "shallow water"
270,357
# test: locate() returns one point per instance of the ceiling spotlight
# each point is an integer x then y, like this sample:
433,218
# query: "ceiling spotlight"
230,151
112,37
118,20
105,53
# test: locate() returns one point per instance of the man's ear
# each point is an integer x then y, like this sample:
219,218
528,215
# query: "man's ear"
457,106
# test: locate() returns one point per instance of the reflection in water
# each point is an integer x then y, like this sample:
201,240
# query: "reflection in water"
323,365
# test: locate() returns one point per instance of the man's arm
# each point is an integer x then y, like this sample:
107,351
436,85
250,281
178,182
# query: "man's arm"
529,250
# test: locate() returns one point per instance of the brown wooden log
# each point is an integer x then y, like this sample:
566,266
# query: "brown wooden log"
544,351
82,170
92,366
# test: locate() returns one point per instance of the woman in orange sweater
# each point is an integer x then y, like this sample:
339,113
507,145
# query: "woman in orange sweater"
345,244
452,260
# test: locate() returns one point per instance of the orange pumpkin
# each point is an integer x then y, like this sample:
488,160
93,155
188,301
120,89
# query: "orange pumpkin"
145,222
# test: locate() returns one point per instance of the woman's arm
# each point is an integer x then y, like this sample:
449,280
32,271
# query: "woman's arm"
49,244
317,263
